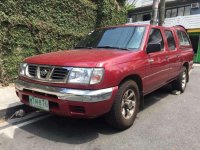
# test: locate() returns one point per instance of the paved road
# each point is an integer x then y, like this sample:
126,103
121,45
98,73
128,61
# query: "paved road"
168,122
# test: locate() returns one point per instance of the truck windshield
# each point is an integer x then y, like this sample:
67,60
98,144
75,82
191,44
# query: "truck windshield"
124,38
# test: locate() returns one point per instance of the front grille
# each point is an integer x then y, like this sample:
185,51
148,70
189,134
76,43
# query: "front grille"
32,69
59,73
47,73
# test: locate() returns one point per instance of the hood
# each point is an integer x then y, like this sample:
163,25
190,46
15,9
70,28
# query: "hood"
78,57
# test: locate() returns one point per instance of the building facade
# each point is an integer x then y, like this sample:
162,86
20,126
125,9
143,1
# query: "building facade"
178,12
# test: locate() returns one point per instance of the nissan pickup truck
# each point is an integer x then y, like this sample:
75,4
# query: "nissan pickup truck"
108,73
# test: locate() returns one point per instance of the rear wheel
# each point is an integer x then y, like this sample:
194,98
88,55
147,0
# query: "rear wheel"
125,107
180,83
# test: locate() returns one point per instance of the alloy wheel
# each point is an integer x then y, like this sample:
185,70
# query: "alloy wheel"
128,103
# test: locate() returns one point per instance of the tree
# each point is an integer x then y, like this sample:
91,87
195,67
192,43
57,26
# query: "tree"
161,12
154,12
155,9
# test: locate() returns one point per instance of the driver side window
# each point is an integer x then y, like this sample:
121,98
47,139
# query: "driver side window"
155,37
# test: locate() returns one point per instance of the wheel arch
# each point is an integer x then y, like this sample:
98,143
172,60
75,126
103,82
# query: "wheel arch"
138,80
135,78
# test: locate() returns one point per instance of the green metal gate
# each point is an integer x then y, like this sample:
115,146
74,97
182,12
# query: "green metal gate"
195,40
197,57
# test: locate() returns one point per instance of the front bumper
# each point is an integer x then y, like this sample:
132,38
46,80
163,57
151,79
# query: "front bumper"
69,102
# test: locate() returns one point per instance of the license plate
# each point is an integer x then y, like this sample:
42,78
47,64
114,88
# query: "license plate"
39,103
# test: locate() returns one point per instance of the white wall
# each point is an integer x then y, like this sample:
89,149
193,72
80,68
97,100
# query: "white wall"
189,22
142,3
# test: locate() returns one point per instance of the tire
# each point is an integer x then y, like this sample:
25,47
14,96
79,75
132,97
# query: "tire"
124,109
180,83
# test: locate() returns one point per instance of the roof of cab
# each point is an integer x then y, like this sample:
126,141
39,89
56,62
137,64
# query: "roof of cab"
177,27
124,25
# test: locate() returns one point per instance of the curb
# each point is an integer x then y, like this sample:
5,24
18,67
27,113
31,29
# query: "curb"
8,112
196,65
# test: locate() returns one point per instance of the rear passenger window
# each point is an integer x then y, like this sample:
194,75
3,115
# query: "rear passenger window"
155,37
170,40
183,39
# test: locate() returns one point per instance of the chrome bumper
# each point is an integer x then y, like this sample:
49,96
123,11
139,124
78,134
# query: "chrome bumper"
67,94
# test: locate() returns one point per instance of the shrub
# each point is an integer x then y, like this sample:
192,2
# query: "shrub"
33,27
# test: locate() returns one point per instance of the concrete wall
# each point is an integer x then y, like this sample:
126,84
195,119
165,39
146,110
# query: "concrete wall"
142,3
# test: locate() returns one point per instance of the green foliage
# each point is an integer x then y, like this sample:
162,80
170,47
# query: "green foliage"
30,27
110,12
121,2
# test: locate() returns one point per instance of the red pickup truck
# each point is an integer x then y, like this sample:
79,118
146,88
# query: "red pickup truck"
108,73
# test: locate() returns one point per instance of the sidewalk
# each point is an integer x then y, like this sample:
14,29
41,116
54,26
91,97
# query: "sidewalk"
196,65
8,97
9,102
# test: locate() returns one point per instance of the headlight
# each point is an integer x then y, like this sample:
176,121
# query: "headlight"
22,69
86,75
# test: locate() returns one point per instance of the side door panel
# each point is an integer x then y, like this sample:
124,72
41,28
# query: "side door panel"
157,67
173,54
174,59
156,71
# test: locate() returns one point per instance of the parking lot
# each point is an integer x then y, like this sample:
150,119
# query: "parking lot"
168,122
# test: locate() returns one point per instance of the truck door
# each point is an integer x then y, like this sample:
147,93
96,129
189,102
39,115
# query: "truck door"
173,54
157,67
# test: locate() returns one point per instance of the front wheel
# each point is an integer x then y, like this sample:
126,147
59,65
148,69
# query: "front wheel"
125,107
180,83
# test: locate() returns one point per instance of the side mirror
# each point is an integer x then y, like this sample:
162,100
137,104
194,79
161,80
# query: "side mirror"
153,48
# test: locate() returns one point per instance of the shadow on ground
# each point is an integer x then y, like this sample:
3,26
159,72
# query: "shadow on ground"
156,96
10,111
78,131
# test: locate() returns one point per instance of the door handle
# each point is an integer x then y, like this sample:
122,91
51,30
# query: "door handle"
150,60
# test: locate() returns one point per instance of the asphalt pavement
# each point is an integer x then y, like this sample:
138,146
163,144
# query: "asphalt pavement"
168,122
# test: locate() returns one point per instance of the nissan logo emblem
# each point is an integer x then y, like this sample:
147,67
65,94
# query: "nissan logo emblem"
43,72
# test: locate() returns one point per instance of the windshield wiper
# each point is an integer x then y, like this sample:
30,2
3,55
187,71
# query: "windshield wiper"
111,47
